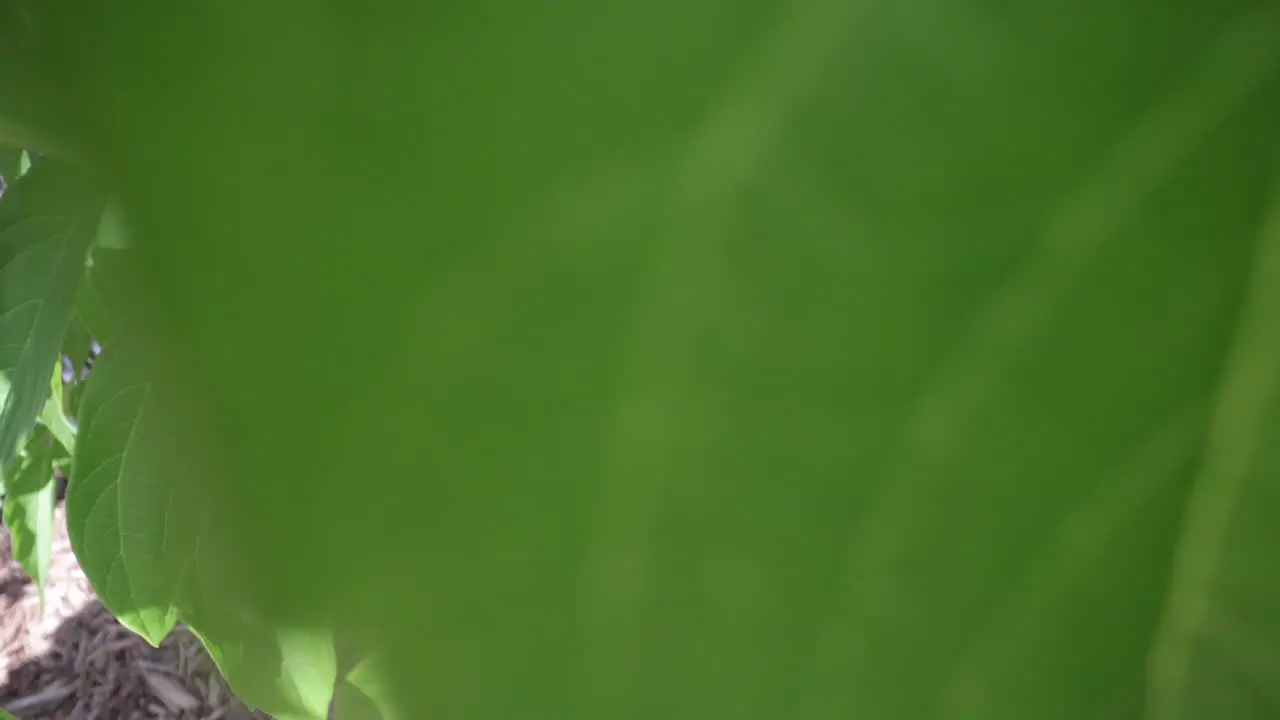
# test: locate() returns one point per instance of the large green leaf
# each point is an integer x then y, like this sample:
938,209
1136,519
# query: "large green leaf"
737,358
30,493
48,220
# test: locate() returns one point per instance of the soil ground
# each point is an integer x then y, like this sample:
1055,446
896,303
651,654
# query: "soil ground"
74,661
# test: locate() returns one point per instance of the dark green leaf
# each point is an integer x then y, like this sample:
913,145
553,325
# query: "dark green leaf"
10,163
105,299
364,693
113,232
47,223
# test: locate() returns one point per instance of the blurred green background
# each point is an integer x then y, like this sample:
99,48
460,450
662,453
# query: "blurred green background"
716,359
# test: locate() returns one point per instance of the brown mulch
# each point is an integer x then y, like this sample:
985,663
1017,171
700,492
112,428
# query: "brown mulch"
75,662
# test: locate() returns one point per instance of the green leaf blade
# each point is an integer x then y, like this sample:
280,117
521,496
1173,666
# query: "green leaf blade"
1224,571
289,672
134,537
47,225
30,494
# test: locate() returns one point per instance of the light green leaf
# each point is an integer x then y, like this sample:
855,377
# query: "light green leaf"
104,301
137,509
54,417
47,224
287,672
365,693
133,509
113,232
1217,650
30,494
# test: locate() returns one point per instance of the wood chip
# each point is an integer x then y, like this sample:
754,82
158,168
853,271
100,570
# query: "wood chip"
78,663
50,694
169,692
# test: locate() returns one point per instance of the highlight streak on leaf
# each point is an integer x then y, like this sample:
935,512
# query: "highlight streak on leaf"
1241,58
367,677
725,153
1247,393
1082,537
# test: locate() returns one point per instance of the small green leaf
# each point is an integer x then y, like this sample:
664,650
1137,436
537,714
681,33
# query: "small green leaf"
28,506
47,224
1222,590
369,684
53,416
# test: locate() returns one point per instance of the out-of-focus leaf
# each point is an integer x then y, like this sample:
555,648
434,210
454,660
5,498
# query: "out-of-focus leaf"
364,693
113,232
10,163
815,359
30,494
138,505
47,223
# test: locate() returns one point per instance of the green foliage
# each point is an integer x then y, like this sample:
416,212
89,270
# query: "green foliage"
10,163
47,223
369,695
130,518
822,360
138,508
28,506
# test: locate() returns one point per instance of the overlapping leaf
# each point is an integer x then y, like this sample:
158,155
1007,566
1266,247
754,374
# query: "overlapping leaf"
130,515
30,493
138,513
48,221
